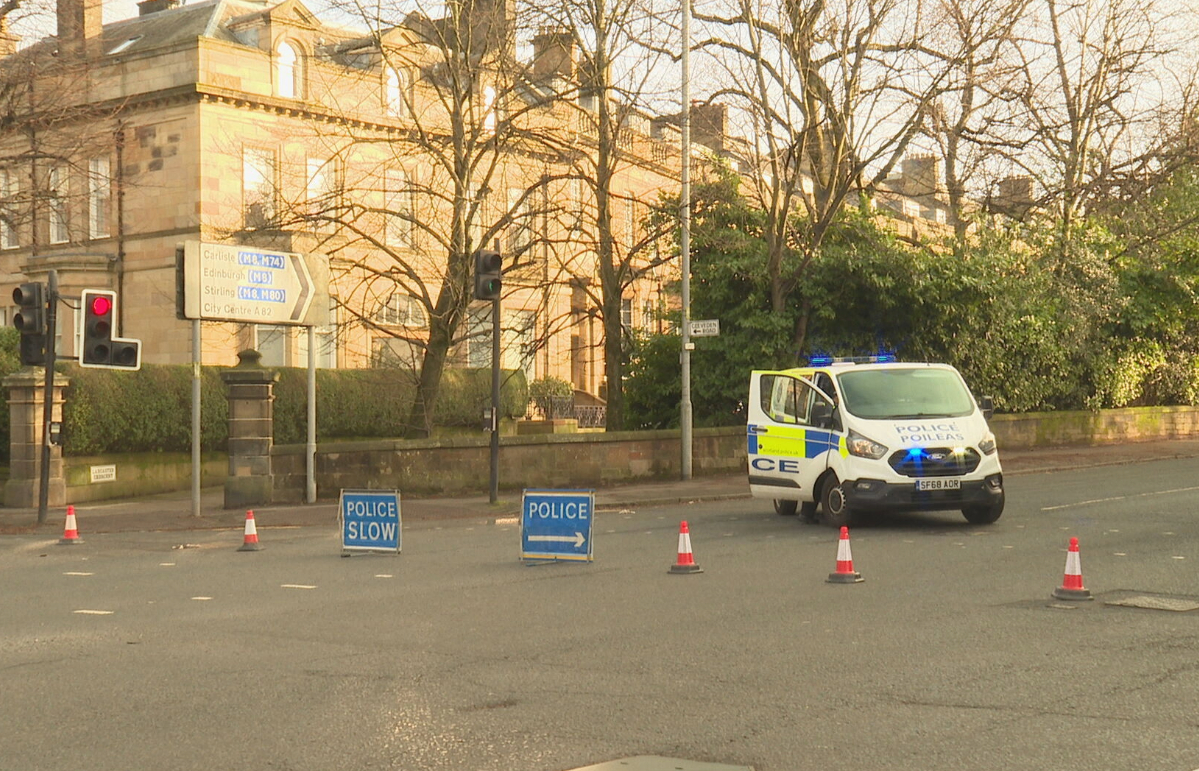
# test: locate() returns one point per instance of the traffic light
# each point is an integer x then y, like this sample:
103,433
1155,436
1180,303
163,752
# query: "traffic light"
98,348
30,321
488,275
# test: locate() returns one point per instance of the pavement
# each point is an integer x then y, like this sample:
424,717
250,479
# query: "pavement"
173,511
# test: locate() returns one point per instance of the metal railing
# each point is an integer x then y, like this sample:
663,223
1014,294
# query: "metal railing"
564,407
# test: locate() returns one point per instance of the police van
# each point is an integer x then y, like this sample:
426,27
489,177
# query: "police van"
842,436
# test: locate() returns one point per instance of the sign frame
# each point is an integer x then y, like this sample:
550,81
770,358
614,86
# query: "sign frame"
355,545
530,535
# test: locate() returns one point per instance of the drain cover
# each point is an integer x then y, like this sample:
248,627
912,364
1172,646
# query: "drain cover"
655,763
1155,602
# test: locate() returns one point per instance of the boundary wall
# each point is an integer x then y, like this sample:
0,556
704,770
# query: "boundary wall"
458,465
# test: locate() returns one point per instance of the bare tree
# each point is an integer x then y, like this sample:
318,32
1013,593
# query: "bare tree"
618,44
455,163
835,91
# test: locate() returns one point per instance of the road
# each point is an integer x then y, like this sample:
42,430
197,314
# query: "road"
454,655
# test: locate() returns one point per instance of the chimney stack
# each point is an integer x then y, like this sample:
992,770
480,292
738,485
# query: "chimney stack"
79,25
8,41
147,7
553,54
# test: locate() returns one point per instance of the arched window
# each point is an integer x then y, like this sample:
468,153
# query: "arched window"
489,109
287,71
393,93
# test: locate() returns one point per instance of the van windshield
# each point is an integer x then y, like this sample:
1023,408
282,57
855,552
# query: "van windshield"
883,394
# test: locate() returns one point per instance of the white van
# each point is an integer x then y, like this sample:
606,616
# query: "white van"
871,435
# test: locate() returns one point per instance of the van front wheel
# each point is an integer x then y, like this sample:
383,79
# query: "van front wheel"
834,511
983,515
785,508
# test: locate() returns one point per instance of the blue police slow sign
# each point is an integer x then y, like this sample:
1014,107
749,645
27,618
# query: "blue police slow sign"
556,524
370,520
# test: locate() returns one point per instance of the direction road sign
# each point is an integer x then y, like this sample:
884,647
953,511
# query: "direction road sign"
370,520
556,524
705,328
226,282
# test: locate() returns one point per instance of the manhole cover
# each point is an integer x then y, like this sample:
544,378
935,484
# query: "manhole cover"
1155,602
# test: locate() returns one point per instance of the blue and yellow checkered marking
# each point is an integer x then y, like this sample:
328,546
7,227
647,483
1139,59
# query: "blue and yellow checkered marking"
782,441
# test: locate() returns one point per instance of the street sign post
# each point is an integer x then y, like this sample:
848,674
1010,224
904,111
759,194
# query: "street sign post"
705,328
556,525
227,282
370,520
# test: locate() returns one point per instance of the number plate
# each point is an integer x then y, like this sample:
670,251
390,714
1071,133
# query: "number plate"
938,484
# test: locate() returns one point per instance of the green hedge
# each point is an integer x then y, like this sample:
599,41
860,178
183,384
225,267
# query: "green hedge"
150,410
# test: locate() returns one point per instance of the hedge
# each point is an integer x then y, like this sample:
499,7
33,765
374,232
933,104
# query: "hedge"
150,410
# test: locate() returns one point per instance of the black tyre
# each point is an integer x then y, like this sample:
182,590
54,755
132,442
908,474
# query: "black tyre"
785,508
983,515
807,512
834,511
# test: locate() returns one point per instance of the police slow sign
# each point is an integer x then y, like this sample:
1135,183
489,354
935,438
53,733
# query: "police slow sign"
556,524
370,520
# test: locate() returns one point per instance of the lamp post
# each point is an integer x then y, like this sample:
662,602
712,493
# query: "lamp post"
685,242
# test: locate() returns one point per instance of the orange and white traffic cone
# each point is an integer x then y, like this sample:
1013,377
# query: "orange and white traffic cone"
686,562
1072,588
845,573
70,535
251,540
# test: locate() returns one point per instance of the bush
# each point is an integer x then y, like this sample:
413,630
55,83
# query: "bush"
9,363
150,410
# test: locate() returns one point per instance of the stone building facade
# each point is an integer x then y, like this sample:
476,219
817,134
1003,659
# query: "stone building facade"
236,121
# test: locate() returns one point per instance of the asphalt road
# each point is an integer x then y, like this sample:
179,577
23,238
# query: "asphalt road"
454,655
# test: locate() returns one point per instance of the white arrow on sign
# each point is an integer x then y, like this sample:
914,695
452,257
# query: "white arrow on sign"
577,538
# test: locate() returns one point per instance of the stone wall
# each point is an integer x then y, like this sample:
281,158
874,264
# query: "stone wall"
460,464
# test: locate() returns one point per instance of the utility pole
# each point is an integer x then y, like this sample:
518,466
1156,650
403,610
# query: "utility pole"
685,242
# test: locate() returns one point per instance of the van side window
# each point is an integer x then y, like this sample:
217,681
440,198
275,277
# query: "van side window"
787,400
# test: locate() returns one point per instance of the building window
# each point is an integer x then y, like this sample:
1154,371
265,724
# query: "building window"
489,119
272,344
478,342
8,210
626,314
520,231
99,195
398,210
647,314
287,71
322,192
519,343
402,310
326,342
258,187
58,205
395,89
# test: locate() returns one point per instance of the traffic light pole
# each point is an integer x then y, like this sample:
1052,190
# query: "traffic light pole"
495,400
43,493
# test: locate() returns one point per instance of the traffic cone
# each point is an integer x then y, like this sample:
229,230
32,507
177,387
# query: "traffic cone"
845,573
686,563
251,540
70,535
1072,588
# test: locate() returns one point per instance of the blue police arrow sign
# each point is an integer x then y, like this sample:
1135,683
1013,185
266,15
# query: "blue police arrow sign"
370,520
556,524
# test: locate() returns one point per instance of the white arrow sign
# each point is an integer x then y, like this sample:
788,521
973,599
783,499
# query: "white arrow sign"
225,282
577,539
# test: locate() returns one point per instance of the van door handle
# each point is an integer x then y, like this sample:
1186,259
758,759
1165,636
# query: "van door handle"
757,429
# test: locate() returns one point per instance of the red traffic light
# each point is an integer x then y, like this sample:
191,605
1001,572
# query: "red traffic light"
101,305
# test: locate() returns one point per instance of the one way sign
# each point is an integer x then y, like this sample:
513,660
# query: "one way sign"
556,524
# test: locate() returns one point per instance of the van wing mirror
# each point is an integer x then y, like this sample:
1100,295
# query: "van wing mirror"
988,406
822,414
